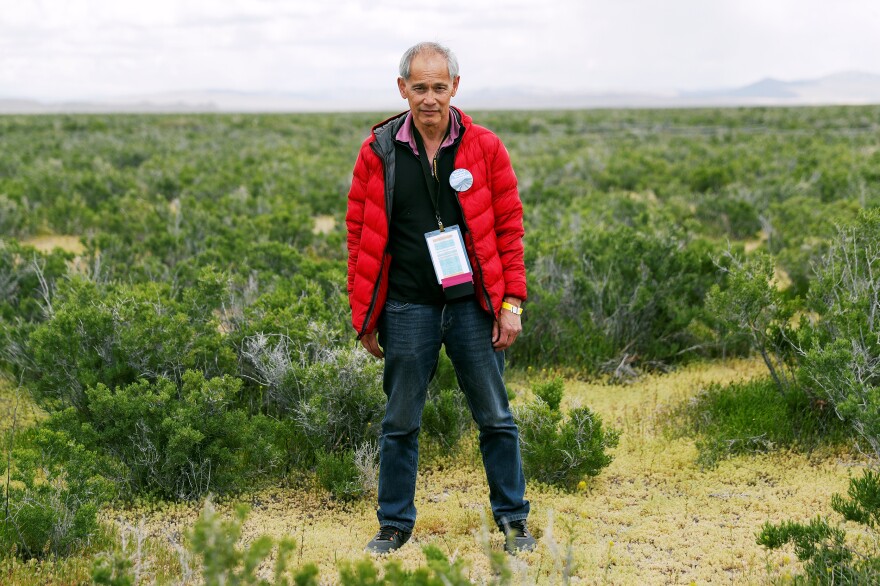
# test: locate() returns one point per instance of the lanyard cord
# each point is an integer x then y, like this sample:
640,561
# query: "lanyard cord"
431,179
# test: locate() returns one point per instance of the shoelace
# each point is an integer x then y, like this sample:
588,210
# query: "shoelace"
519,526
387,533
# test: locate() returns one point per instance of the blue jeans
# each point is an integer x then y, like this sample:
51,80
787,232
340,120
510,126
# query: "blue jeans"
411,336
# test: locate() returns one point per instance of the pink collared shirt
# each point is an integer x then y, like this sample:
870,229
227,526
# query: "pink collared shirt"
405,134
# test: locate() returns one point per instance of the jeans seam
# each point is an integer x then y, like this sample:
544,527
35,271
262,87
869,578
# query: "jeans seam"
397,525
511,518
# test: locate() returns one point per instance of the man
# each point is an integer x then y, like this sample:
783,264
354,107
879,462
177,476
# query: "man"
436,258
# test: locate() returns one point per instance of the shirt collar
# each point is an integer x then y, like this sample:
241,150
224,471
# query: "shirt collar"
406,135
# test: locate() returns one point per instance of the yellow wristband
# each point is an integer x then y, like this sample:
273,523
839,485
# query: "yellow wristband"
511,308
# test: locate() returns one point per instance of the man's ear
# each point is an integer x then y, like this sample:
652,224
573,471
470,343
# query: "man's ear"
401,85
455,85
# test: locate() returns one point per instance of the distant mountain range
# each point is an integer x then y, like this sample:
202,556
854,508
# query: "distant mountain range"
839,88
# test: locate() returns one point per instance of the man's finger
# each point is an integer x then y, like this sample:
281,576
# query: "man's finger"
502,341
371,345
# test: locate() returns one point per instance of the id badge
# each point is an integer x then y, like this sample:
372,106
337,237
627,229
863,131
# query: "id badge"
450,260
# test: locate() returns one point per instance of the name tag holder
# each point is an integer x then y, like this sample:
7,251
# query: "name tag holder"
450,260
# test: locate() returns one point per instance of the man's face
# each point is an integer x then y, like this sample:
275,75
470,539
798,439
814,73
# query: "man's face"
428,90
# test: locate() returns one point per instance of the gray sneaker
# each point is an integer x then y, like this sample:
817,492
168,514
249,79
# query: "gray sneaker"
517,537
387,539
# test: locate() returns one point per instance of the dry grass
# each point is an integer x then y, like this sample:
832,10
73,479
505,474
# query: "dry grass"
652,517
49,243
324,224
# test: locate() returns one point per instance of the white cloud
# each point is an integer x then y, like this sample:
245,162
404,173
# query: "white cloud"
85,48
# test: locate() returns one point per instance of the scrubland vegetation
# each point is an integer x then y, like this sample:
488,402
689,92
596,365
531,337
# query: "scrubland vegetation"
696,382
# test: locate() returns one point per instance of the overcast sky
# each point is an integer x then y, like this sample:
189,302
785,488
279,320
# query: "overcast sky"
87,49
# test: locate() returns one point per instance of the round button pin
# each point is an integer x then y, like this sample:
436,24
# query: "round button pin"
461,180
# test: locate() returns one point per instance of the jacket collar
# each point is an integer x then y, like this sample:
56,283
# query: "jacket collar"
385,132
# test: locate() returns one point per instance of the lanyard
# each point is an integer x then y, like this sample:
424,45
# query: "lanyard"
431,179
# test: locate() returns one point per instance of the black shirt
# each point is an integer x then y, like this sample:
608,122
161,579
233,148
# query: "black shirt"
411,278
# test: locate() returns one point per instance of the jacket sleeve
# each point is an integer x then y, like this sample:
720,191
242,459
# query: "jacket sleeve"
354,216
508,212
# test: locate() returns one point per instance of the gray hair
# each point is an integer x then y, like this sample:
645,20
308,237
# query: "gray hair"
420,48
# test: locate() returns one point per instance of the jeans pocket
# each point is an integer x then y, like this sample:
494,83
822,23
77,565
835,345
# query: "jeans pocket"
393,305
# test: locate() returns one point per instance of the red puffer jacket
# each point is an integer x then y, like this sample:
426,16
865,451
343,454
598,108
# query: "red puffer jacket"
492,215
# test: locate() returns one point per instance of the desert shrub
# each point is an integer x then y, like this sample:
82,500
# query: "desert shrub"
444,376
55,491
559,449
832,358
331,398
827,556
366,459
733,217
445,417
751,308
753,417
178,441
295,307
339,474
341,402
799,230
437,571
839,353
12,216
618,295
550,392
119,334
28,281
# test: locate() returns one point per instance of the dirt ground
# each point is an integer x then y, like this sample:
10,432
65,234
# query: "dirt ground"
652,517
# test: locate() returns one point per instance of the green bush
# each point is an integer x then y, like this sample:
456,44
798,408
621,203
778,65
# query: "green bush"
178,441
730,216
56,488
799,230
444,376
839,353
550,392
445,417
339,475
116,335
615,295
828,557
341,402
753,417
562,450
438,571
750,307
28,281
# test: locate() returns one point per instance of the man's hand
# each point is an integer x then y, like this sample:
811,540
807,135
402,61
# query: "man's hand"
507,327
371,344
